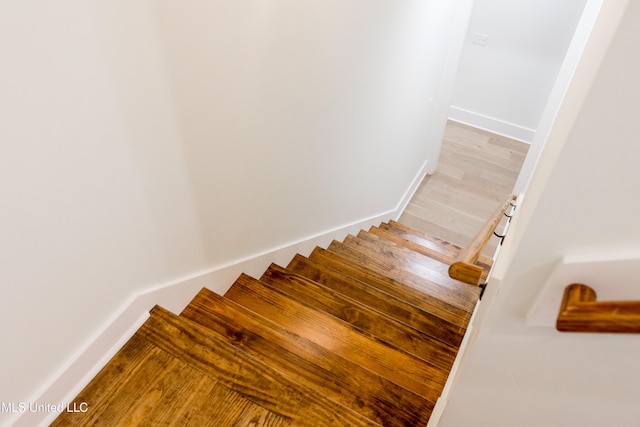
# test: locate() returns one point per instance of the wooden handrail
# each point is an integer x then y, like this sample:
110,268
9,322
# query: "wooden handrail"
580,312
464,268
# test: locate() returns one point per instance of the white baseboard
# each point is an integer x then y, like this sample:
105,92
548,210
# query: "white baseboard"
441,403
84,365
490,124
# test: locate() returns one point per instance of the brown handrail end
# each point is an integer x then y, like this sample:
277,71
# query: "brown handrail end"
580,312
467,273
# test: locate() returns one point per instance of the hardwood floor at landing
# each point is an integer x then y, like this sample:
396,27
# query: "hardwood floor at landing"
476,173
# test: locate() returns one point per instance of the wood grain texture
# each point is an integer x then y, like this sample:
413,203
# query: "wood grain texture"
407,258
339,337
416,262
308,363
146,386
412,242
407,271
437,330
363,317
580,312
248,376
359,266
436,245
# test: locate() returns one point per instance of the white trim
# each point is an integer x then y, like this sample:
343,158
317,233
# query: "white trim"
411,190
86,363
442,401
490,124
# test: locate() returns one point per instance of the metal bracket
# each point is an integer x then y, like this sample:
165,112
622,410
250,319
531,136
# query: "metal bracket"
482,286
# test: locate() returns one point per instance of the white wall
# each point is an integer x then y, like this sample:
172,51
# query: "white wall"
144,143
96,199
558,93
582,203
504,86
316,91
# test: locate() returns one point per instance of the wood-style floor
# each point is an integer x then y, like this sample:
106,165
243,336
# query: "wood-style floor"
476,173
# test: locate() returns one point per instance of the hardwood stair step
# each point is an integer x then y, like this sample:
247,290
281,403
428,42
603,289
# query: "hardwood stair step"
438,271
201,379
445,233
384,327
387,267
442,330
144,385
434,243
342,380
400,239
245,374
420,237
414,263
357,265
340,337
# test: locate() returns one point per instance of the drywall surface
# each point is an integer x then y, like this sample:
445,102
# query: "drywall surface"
144,143
331,93
520,375
96,197
555,101
503,86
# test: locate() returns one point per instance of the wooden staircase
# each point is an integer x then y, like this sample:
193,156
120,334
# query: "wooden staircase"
363,333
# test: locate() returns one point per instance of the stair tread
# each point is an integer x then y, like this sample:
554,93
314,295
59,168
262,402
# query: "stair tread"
446,246
236,369
309,363
144,385
437,269
339,337
428,247
431,242
357,265
382,301
447,235
400,259
424,247
387,328
387,267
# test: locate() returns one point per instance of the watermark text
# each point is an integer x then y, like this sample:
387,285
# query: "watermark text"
43,407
